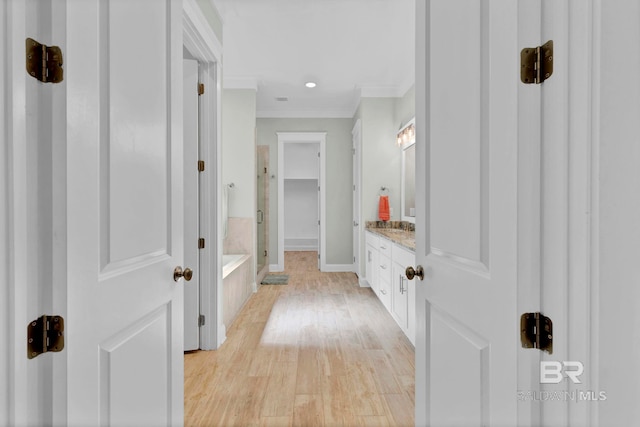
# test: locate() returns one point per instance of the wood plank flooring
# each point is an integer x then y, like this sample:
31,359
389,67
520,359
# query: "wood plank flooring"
320,351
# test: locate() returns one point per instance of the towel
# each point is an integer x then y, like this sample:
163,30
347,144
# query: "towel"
383,208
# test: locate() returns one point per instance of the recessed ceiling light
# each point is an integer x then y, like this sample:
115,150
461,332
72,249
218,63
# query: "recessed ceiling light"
310,84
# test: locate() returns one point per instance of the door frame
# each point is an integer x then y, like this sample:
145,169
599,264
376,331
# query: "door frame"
14,256
203,44
302,137
356,134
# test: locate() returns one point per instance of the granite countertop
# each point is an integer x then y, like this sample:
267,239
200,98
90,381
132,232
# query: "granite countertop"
399,232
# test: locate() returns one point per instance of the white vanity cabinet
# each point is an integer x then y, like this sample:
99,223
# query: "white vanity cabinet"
385,272
403,295
371,257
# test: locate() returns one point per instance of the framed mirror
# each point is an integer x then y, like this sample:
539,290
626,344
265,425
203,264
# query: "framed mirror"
408,188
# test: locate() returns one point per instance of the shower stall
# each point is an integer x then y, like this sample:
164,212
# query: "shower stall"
262,217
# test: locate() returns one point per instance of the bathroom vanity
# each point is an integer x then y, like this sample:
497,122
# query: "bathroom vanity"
388,252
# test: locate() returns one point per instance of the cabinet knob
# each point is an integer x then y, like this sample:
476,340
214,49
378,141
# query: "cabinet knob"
411,273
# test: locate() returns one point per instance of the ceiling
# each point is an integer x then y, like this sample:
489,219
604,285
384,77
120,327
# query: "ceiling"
350,48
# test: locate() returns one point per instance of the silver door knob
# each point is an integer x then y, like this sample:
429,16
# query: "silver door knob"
187,273
411,273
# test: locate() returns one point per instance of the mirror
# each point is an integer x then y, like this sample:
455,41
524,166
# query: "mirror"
408,190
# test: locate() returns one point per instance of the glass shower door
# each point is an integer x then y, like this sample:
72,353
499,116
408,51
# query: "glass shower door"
263,206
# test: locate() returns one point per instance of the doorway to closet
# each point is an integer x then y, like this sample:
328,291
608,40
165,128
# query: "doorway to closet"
301,194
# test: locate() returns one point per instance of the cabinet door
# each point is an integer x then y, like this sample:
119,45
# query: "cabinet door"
372,268
399,296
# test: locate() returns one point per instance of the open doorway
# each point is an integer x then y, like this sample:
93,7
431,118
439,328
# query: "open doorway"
301,194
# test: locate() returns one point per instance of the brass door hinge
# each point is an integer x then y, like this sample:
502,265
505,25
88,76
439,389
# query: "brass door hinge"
45,334
536,63
200,88
536,331
200,165
201,243
44,62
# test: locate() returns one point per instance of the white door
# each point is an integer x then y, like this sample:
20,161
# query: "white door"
467,332
123,360
191,204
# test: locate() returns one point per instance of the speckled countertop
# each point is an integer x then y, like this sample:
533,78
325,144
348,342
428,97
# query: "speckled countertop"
400,232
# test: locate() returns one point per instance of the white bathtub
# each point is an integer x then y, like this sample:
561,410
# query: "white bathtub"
232,261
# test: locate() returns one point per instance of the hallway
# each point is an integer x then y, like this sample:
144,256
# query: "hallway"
318,351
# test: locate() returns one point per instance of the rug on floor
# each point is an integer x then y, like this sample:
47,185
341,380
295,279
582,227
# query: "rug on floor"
275,279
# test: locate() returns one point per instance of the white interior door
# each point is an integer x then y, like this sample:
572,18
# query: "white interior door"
124,313
191,204
467,152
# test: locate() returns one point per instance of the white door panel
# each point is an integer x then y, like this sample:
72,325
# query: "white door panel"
466,225
124,316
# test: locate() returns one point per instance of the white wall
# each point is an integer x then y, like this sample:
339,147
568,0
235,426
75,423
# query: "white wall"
213,17
338,180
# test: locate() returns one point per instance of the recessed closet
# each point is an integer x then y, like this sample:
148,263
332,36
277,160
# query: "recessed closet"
301,196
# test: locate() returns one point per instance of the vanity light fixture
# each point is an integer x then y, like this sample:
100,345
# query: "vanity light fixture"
406,134
310,84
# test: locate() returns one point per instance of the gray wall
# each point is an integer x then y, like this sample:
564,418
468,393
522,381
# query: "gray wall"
381,158
238,150
339,178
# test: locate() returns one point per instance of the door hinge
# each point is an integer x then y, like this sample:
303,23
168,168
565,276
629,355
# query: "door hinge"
200,88
201,243
44,62
45,334
201,320
200,165
354,260
536,63
265,170
536,331
318,154
318,222
265,252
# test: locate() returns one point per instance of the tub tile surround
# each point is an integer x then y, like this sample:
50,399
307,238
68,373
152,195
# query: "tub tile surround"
400,232
238,282
239,238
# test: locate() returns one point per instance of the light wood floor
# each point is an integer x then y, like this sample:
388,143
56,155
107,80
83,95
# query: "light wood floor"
320,351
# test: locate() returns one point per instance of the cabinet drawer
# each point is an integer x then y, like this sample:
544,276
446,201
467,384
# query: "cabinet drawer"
384,293
384,267
384,246
403,256
371,239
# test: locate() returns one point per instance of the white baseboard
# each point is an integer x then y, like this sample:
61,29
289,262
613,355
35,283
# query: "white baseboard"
300,248
338,268
363,283
275,268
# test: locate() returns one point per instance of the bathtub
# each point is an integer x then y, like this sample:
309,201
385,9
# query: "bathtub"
232,261
238,283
